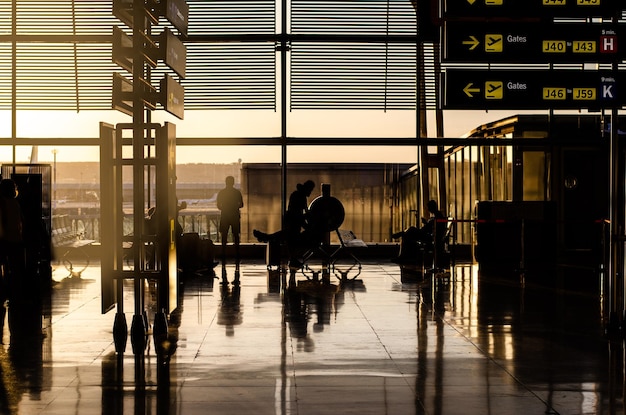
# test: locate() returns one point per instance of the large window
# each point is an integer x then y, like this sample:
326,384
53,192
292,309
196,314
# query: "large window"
330,85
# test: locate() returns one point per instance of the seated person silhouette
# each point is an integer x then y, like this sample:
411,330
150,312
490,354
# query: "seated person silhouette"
414,239
297,231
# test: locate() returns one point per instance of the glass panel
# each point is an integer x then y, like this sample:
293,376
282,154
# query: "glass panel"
64,124
201,172
462,191
363,179
5,127
534,175
352,123
409,196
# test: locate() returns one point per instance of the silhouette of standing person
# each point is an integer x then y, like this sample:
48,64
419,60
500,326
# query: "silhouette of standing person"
295,223
229,201
296,219
11,246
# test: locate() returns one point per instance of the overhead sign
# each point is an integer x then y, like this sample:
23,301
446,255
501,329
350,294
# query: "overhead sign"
532,89
530,8
173,52
122,49
123,10
512,42
124,91
123,52
122,94
172,96
177,13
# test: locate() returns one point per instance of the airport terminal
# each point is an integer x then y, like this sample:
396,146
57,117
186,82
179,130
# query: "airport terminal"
312,207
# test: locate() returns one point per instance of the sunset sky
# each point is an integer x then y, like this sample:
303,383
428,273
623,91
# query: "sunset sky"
248,124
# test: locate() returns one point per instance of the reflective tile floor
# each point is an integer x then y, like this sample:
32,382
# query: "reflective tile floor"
389,342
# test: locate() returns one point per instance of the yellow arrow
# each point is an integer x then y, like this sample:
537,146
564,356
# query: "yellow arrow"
468,90
471,1
473,42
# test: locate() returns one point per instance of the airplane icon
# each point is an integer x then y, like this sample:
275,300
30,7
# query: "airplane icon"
494,90
493,87
494,43
493,40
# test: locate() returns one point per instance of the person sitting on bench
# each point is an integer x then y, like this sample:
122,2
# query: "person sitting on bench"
414,238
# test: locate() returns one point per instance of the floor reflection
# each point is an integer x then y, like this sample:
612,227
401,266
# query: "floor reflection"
312,304
470,341
149,391
230,313
26,344
542,328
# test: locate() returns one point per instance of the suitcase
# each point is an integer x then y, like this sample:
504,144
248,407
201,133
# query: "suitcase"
274,254
187,251
206,254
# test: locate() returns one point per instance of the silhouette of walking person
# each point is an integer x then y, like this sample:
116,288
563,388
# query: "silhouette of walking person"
229,201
